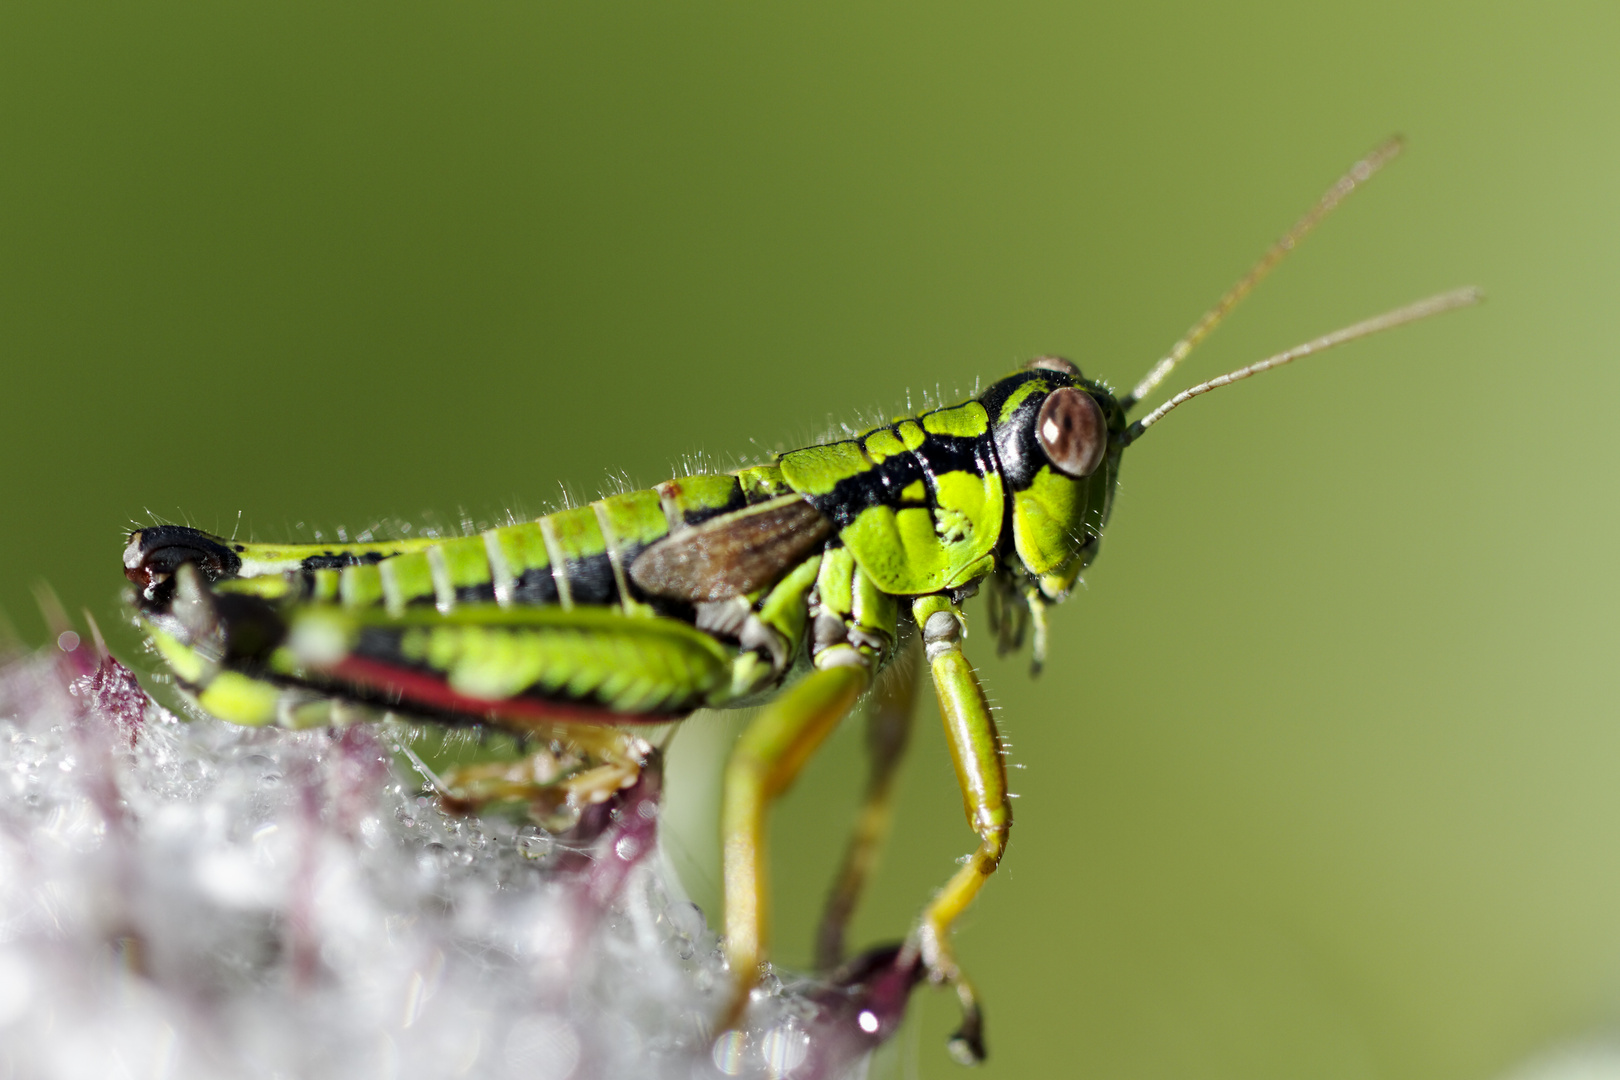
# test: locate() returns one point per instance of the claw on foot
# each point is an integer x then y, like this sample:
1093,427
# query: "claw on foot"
966,1044
935,963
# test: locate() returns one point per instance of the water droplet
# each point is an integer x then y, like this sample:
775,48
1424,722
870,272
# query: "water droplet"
686,918
730,1051
784,1049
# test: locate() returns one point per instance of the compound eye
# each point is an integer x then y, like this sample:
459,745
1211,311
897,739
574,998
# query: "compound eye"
1072,431
1053,363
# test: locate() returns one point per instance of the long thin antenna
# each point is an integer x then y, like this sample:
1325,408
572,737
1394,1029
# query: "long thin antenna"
1358,174
1434,305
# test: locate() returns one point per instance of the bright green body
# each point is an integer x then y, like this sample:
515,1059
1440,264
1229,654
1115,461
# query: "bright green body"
542,620
706,591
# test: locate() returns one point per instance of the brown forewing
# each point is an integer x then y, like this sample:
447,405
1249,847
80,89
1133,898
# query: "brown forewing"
731,554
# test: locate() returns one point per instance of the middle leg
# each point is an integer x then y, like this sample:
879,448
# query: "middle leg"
772,750
888,731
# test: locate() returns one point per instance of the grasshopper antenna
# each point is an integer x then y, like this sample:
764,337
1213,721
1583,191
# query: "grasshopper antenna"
1434,305
1358,174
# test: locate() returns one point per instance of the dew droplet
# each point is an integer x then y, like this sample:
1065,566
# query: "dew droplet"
730,1051
784,1048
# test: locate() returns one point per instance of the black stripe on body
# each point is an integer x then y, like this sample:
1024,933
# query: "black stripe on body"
475,594
698,516
688,512
535,586
883,482
590,580
1016,445
880,485
330,561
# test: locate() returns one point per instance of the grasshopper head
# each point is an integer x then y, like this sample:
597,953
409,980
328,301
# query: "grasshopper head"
1059,437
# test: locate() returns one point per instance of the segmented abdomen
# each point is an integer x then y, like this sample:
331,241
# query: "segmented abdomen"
519,624
574,557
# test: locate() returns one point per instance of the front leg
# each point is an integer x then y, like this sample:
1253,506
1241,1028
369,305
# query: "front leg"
970,731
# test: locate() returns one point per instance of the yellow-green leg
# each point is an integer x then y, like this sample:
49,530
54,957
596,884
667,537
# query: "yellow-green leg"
888,730
970,731
772,750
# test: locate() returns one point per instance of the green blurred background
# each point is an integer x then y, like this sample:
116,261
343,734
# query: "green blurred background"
1321,780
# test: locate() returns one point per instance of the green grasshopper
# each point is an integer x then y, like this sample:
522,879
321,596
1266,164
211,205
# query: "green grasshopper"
793,583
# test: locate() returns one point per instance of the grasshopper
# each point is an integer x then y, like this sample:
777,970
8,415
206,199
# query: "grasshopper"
792,583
